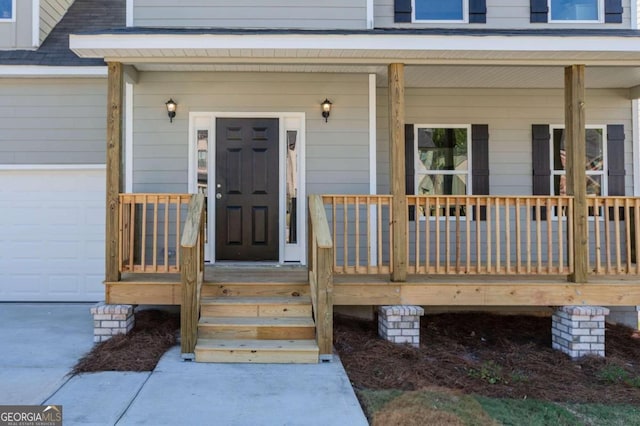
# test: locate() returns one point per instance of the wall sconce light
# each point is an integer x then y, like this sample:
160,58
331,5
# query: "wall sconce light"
326,109
171,109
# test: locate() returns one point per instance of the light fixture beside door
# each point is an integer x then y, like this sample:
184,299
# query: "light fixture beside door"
326,109
171,109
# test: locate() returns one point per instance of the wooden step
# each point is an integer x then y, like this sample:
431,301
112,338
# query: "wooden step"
266,328
232,306
257,351
252,289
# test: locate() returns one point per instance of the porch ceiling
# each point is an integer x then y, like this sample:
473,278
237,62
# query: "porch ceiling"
436,76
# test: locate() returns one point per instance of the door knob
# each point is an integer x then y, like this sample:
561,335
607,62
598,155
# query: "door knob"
218,196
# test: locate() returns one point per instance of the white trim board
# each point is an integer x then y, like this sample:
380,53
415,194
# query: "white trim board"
35,23
287,252
30,71
90,46
129,12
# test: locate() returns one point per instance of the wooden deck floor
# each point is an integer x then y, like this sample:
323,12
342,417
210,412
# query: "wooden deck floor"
432,290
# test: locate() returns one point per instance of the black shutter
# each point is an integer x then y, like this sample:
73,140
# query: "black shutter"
480,163
613,11
409,164
615,157
402,10
539,11
477,11
541,137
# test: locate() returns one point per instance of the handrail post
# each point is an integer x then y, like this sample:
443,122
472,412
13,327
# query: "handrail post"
191,273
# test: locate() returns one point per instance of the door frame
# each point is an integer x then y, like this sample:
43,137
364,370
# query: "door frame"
286,121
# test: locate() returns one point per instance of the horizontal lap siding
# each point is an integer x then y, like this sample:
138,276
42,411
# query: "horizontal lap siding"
500,14
336,151
338,14
51,11
509,114
52,121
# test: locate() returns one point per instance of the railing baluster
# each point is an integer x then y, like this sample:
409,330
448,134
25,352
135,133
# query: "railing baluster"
132,230
416,227
468,213
357,225
507,236
437,235
379,225
447,236
616,224
518,238
345,232
166,235
154,254
368,212
627,229
528,235
549,207
607,236
334,221
458,242
488,225
427,235
498,241
559,222
570,233
538,236
478,238
596,230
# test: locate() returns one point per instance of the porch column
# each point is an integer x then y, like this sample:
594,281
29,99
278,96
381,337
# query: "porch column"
397,166
574,111
114,169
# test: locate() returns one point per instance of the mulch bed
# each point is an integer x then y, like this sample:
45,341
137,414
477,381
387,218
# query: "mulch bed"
491,355
153,334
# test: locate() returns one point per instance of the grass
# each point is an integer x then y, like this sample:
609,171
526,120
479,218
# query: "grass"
445,407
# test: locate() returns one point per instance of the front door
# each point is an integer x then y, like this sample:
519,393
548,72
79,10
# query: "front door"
247,202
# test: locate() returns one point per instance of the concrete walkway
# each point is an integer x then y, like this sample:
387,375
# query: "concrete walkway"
176,392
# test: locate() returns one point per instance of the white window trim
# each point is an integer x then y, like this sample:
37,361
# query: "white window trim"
469,172
13,13
464,20
605,159
600,19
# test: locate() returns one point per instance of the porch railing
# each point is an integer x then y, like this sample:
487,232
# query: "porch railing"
321,274
614,240
483,234
192,273
150,231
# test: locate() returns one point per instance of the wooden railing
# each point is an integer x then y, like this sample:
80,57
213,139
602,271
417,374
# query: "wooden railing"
490,235
192,273
501,235
360,227
321,274
150,228
614,240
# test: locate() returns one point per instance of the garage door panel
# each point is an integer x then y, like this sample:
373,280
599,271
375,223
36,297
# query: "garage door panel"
52,245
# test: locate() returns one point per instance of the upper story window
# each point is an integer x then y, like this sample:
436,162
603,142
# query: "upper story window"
440,11
575,10
7,10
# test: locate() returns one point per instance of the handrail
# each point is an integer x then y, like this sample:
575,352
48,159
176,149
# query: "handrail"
150,232
321,274
192,274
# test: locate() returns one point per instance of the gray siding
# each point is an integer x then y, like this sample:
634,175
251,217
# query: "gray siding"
17,35
339,14
509,114
336,152
51,12
52,121
500,14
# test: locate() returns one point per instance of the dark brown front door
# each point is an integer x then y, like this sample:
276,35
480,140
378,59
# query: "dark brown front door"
247,189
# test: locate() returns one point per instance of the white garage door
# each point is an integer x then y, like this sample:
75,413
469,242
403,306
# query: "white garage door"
52,235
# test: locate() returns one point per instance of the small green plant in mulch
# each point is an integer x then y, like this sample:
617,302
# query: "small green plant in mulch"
616,374
154,333
490,372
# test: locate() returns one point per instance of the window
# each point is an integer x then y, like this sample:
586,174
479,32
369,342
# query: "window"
440,10
595,161
443,159
7,10
575,10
